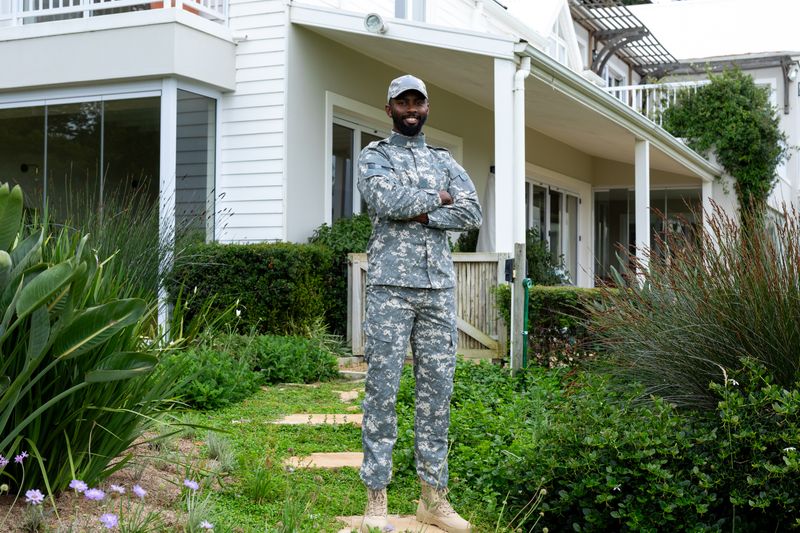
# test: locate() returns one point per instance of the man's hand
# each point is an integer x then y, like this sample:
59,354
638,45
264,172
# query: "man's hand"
422,219
445,197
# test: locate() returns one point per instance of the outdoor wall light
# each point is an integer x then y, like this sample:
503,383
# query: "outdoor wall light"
791,75
374,23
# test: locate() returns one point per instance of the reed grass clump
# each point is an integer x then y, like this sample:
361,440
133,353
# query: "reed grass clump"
730,292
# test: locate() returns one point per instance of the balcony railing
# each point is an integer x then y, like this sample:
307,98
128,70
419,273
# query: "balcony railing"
653,99
24,12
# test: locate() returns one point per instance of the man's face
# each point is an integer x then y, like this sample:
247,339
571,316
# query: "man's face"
408,111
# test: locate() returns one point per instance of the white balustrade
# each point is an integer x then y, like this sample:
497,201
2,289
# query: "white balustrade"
651,100
24,12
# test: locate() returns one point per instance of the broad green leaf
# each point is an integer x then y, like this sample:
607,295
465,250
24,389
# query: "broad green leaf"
10,215
43,287
96,325
26,253
123,365
5,269
39,334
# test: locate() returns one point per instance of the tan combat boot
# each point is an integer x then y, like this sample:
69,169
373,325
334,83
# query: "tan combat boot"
377,514
435,510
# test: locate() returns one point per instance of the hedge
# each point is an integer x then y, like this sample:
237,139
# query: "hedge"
278,286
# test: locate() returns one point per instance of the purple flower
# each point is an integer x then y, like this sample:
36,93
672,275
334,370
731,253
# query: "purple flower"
94,494
119,489
139,491
3,461
78,485
205,524
34,497
109,520
21,457
191,484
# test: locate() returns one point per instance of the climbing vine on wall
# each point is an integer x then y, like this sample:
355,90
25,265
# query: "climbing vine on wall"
733,117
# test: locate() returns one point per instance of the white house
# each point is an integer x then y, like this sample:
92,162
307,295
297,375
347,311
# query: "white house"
248,114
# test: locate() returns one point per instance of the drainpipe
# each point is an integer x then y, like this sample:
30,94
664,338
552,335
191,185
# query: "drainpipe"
518,188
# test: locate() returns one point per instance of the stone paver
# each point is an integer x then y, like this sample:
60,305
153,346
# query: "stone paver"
348,395
400,523
327,460
317,420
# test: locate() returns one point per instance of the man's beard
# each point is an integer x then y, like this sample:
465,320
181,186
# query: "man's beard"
407,129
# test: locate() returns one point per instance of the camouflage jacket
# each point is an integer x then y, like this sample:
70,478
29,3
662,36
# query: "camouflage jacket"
399,178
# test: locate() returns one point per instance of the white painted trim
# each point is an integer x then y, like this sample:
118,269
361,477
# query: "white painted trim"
166,190
642,200
81,94
503,155
406,31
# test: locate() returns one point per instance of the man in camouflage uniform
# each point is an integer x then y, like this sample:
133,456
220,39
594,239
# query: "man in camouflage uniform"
414,194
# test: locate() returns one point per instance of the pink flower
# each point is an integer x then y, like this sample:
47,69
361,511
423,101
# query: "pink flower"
119,489
191,484
205,524
94,494
109,520
21,457
139,491
34,497
3,461
78,485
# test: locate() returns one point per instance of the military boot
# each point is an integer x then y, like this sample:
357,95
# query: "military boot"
435,510
377,514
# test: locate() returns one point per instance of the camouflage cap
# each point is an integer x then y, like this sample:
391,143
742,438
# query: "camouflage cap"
406,83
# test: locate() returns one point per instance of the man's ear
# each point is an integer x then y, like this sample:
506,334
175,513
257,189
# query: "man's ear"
388,110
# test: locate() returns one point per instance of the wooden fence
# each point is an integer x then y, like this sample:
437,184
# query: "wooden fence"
481,331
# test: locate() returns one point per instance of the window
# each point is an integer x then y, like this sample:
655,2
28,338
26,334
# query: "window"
672,212
410,9
614,78
349,138
554,214
557,44
83,155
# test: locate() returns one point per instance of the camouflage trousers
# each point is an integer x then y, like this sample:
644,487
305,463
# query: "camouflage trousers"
426,318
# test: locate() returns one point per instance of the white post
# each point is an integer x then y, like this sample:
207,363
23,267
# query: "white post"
642,195
503,155
166,194
707,194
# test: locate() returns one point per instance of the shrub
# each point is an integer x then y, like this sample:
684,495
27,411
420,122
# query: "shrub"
610,459
292,359
212,376
543,268
278,287
557,322
346,235
725,294
79,385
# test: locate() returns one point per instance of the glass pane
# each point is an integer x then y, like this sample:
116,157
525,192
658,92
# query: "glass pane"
613,231
131,147
571,233
539,210
72,185
556,249
195,167
400,9
22,152
342,172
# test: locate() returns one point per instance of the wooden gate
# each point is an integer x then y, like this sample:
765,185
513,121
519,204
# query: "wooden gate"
481,332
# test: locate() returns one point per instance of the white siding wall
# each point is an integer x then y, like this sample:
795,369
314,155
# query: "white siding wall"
250,188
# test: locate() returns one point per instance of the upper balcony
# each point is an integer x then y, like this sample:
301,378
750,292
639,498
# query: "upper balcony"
26,12
651,100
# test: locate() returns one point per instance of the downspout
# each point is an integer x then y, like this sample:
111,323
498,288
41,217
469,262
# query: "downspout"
522,72
518,325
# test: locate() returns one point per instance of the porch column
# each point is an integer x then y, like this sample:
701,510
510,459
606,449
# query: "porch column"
166,193
503,155
707,194
642,200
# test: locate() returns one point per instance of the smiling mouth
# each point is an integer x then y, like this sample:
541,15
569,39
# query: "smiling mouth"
411,120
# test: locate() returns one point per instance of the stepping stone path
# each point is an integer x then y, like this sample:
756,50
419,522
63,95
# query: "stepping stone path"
345,459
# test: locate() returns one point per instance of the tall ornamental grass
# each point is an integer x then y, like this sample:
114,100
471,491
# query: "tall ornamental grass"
729,293
78,381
